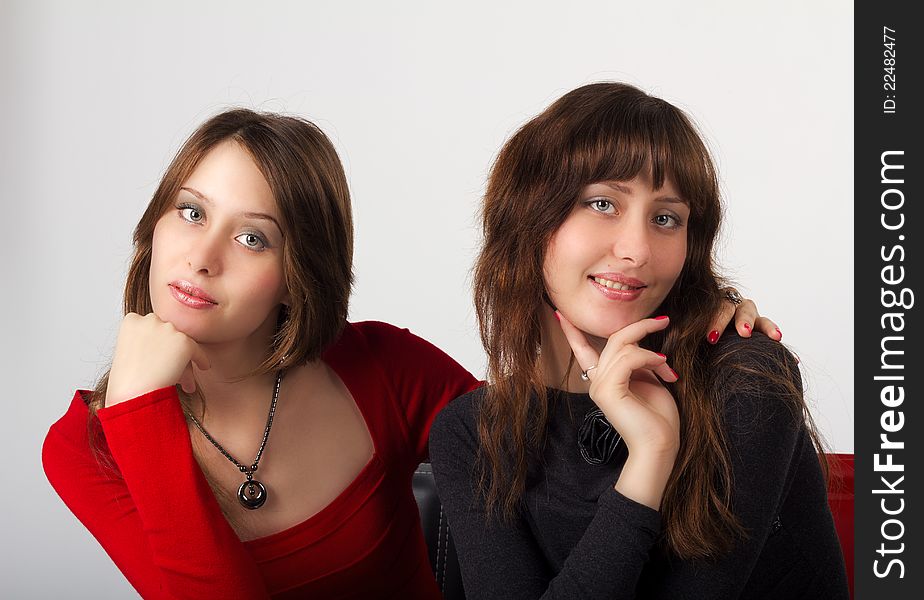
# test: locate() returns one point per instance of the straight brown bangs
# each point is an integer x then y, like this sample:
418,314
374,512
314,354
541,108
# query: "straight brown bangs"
617,139
614,132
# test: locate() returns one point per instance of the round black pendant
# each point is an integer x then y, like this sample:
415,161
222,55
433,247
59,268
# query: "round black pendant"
252,494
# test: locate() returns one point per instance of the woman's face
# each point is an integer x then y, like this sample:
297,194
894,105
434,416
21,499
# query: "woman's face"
617,255
216,266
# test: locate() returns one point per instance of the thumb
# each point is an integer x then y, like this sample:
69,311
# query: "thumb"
188,380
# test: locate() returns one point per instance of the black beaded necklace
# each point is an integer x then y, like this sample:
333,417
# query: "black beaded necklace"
252,493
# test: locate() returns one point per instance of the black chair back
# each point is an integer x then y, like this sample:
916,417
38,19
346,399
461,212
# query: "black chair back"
443,557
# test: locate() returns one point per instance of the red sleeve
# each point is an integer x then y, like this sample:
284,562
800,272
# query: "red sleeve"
423,378
159,521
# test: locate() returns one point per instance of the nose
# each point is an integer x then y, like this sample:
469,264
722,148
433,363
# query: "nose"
204,255
632,242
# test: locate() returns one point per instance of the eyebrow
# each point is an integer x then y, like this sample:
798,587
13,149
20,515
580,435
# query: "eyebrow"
621,188
246,215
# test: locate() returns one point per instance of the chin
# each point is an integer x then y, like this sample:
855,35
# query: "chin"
602,324
605,331
600,327
193,330
191,324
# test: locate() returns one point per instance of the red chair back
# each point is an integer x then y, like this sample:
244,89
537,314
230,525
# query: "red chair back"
840,499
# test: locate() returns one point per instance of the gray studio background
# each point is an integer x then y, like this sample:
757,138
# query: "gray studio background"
418,97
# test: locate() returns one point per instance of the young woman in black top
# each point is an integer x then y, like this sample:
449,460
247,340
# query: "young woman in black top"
615,453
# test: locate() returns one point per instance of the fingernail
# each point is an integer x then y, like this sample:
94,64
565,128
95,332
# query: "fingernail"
713,336
675,373
661,355
558,318
661,318
747,326
779,332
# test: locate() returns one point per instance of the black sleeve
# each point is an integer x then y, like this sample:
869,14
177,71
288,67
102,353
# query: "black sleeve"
765,436
503,560
774,463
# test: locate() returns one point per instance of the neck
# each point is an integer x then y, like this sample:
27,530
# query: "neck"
560,369
228,386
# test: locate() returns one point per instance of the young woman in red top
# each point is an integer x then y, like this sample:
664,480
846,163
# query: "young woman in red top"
248,441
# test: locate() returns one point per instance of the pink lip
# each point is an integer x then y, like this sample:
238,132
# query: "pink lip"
190,295
614,294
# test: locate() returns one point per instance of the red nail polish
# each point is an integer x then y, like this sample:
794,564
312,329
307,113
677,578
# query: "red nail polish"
661,355
661,318
557,316
675,374
747,326
779,332
713,336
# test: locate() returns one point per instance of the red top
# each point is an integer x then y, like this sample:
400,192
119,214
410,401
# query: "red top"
160,522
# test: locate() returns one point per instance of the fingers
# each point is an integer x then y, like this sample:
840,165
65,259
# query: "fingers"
664,371
584,353
631,359
769,328
721,321
618,346
746,320
636,332
745,315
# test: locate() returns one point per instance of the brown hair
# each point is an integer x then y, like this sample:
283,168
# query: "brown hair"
306,177
605,132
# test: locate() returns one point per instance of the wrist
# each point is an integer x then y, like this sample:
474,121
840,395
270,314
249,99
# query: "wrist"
655,454
645,475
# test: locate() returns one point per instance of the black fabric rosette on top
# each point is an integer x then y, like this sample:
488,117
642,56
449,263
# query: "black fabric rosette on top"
597,439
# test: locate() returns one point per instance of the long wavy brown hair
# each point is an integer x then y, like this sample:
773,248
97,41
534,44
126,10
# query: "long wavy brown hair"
308,184
609,132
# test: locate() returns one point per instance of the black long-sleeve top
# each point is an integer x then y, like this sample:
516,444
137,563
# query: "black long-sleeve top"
576,537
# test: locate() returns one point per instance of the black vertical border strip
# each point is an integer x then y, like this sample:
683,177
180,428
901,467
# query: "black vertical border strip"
877,259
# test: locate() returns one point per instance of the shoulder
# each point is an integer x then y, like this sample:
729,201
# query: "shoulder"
381,343
756,359
377,329
399,350
383,337
457,422
754,351
757,379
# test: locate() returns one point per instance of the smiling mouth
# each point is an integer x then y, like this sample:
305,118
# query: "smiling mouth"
615,285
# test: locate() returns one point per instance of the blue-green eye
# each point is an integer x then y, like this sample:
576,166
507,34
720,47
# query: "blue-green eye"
191,213
668,221
601,205
252,241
